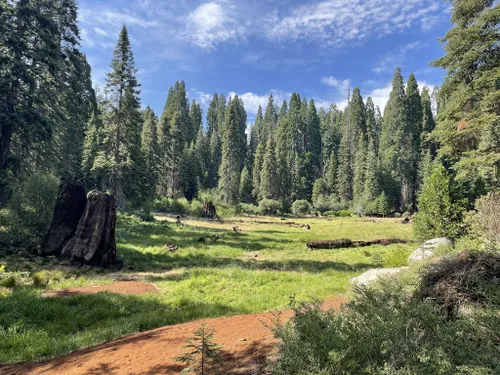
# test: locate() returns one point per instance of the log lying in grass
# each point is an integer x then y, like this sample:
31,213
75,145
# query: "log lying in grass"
344,243
287,223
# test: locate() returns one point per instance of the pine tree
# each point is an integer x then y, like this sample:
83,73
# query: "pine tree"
195,122
212,119
270,121
345,161
371,188
359,173
331,174
313,138
468,124
150,150
245,186
396,144
372,129
428,123
230,168
268,186
414,128
203,154
189,172
121,153
257,169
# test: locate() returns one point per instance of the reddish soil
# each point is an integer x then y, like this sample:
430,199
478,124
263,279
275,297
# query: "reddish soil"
246,342
121,287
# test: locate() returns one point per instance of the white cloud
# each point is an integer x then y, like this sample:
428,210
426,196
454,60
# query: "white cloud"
100,31
212,23
338,22
341,86
395,58
251,101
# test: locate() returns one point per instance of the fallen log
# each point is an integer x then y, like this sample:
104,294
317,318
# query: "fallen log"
287,223
344,243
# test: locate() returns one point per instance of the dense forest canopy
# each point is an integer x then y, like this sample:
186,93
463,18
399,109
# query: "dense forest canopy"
358,158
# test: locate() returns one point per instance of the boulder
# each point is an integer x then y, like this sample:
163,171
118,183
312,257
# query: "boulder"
374,274
428,249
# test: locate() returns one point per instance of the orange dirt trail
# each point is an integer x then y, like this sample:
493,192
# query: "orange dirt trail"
245,341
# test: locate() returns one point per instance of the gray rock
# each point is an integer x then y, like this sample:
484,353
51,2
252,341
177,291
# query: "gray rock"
374,274
428,249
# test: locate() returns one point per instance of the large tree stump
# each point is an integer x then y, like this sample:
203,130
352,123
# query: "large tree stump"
209,210
69,209
94,240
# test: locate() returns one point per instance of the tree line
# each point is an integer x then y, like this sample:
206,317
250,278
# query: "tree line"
375,163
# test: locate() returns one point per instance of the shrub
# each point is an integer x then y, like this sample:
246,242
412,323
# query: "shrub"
385,331
301,207
269,207
342,213
196,208
323,203
34,202
486,222
250,209
8,281
162,205
440,213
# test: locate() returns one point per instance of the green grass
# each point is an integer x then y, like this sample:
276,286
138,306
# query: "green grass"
255,271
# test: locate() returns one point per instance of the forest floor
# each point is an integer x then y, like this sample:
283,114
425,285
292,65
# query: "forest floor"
258,269
247,343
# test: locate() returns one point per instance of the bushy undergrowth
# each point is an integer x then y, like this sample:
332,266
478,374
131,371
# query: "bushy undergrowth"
301,207
269,207
385,331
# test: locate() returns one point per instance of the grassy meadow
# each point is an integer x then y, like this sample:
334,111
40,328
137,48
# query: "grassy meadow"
258,270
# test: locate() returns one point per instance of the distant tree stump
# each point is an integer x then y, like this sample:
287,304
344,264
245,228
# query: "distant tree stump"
70,205
94,239
209,210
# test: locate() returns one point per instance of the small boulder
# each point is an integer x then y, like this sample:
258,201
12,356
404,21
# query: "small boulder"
428,249
374,274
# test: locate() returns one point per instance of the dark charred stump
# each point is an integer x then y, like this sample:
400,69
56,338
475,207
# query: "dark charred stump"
68,211
209,210
94,240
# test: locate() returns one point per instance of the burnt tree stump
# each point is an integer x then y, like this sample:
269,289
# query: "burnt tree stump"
94,239
70,205
209,210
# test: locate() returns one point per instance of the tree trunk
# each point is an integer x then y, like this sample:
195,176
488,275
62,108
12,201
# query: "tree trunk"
94,240
347,243
69,209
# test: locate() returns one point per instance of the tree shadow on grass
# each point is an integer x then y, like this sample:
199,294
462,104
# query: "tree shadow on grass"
161,262
36,328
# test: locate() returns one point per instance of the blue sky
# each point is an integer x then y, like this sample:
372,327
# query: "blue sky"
254,47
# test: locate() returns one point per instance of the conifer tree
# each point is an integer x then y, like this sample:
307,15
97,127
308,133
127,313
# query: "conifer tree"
372,129
189,173
313,137
245,186
257,169
414,124
203,154
268,186
331,174
371,188
396,144
270,121
345,161
195,122
150,150
468,124
359,173
119,158
230,169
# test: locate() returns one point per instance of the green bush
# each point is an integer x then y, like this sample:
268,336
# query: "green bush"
440,212
269,207
343,213
34,202
8,281
323,203
301,207
196,208
385,331
250,209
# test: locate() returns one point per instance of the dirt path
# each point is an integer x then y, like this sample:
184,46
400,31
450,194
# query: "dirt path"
245,340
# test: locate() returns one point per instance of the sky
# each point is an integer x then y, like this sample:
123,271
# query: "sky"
254,47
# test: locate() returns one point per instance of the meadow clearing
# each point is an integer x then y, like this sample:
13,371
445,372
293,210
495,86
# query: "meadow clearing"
260,269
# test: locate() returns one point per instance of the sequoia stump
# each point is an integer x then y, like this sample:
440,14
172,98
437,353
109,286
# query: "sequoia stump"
94,239
209,210
70,205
